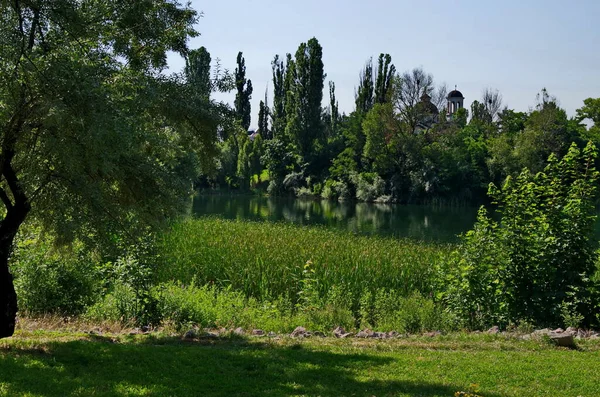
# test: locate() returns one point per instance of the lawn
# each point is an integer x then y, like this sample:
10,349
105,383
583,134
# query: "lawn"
60,363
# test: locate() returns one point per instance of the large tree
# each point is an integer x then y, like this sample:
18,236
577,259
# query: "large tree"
386,72
244,93
279,95
363,97
92,136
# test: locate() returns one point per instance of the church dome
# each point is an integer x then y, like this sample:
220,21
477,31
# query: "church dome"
455,94
426,106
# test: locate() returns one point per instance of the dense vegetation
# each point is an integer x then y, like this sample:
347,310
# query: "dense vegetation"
398,145
99,149
535,264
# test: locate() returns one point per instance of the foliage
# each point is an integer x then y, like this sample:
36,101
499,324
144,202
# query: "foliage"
267,260
52,280
96,140
535,263
244,93
369,186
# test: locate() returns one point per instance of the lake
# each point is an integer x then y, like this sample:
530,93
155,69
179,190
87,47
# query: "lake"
428,223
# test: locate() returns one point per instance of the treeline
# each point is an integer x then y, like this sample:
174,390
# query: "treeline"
393,147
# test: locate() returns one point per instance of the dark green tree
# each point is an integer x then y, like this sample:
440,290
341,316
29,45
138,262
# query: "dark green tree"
263,120
334,115
384,79
279,97
305,81
364,93
92,136
197,71
244,93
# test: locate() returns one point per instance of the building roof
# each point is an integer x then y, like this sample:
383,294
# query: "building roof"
455,94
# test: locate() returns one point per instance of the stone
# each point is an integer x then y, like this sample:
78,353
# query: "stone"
340,332
271,334
190,334
379,335
209,335
258,332
563,339
298,332
366,333
494,330
432,334
572,330
558,331
392,334
145,329
544,331
239,331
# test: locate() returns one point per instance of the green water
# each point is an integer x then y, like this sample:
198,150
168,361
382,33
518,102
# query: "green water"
441,224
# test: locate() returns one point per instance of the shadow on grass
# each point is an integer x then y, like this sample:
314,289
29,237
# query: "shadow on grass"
174,368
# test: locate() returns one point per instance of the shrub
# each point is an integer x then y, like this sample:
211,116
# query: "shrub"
535,263
369,186
389,310
52,280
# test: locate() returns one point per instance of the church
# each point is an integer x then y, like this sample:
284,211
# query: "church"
429,114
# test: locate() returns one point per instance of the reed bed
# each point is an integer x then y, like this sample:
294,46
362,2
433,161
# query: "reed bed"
271,260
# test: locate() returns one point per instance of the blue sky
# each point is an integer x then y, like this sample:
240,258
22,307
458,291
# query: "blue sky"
517,47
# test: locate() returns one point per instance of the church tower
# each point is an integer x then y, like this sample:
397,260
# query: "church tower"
455,101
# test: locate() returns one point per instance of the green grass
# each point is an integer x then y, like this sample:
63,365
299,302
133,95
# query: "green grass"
60,364
267,260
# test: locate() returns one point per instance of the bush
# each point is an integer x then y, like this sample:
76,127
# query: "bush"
51,280
369,186
535,264
388,310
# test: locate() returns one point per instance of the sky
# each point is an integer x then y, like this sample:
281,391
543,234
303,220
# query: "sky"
515,46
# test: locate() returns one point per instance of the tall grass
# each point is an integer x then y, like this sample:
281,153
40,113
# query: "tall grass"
268,260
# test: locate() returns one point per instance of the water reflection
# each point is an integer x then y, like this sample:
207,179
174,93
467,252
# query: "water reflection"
417,222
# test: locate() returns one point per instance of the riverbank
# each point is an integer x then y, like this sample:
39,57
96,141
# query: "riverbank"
62,362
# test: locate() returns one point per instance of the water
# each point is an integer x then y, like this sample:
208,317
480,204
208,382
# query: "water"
412,221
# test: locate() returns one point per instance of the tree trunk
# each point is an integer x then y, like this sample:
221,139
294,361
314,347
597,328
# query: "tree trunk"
8,298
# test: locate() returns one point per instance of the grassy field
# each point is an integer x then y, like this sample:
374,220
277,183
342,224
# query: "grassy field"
268,260
60,363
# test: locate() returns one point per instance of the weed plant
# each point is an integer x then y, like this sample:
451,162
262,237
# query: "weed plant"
267,261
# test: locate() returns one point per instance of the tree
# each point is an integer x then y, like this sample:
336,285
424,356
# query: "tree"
279,96
492,100
381,131
197,71
92,136
364,94
244,93
306,79
334,115
408,90
384,79
263,119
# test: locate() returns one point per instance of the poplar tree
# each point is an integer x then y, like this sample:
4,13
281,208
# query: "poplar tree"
306,80
197,71
244,93
385,77
364,93
279,96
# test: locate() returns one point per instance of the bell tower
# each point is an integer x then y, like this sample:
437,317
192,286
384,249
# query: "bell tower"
455,101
